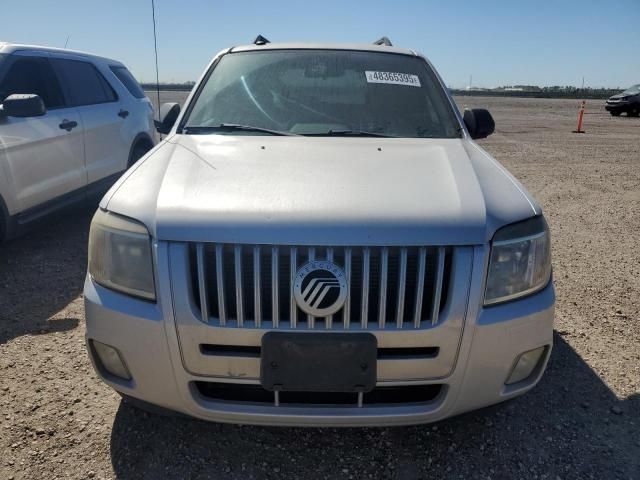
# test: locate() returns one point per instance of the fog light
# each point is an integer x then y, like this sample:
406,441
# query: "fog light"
525,365
111,360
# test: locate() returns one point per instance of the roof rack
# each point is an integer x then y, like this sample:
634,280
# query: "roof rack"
383,41
260,40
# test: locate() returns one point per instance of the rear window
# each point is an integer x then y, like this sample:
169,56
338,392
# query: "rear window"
84,83
128,81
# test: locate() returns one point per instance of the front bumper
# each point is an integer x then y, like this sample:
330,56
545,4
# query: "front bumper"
618,107
146,336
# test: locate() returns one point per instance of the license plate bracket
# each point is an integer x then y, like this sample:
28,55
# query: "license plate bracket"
318,362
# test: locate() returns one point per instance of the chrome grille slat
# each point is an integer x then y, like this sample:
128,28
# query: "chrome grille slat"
202,286
328,321
251,286
222,311
346,310
382,304
422,265
402,287
311,320
437,292
364,307
275,297
237,254
257,294
293,306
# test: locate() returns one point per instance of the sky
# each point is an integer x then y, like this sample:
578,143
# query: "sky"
533,42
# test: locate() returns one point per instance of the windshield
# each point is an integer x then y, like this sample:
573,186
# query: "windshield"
632,90
323,92
3,57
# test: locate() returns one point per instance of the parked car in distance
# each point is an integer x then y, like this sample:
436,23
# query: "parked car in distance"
70,124
627,101
319,241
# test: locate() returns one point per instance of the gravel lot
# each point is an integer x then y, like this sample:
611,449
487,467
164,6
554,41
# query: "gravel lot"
583,420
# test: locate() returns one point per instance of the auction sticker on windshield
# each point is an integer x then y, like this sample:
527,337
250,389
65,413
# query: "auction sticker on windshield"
393,78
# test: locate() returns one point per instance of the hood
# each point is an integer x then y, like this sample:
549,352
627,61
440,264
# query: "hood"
320,191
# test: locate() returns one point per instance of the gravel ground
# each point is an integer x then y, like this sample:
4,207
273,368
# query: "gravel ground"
583,420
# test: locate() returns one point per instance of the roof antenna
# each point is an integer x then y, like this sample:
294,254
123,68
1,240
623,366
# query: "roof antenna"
155,46
383,41
260,40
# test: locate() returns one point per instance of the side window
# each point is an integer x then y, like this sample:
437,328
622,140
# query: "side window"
128,81
32,75
83,83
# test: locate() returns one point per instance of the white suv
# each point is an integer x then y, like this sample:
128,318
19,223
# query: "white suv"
70,124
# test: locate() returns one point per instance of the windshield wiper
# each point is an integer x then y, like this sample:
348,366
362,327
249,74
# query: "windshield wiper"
348,133
229,127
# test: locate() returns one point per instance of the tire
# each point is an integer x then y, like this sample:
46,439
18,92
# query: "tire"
633,112
138,151
615,114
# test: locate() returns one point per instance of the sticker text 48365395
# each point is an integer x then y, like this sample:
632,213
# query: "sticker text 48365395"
393,78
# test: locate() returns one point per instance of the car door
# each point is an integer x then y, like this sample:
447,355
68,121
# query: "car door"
106,148
41,157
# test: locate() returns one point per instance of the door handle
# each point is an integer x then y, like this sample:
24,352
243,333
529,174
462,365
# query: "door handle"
123,113
68,125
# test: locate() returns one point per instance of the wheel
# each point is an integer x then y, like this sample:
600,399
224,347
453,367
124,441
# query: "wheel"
615,113
138,151
634,112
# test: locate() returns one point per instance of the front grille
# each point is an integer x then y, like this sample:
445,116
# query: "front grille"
251,286
398,395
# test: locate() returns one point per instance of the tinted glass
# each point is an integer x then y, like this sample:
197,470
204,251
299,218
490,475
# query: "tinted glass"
84,83
632,90
32,75
128,81
314,92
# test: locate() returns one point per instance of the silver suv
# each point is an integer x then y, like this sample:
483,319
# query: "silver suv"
319,241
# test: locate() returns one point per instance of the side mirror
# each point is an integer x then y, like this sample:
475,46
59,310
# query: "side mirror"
479,123
23,105
168,114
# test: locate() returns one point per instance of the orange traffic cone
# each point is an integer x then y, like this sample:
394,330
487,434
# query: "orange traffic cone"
580,116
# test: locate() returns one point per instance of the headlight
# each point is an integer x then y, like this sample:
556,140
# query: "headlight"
520,261
120,255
